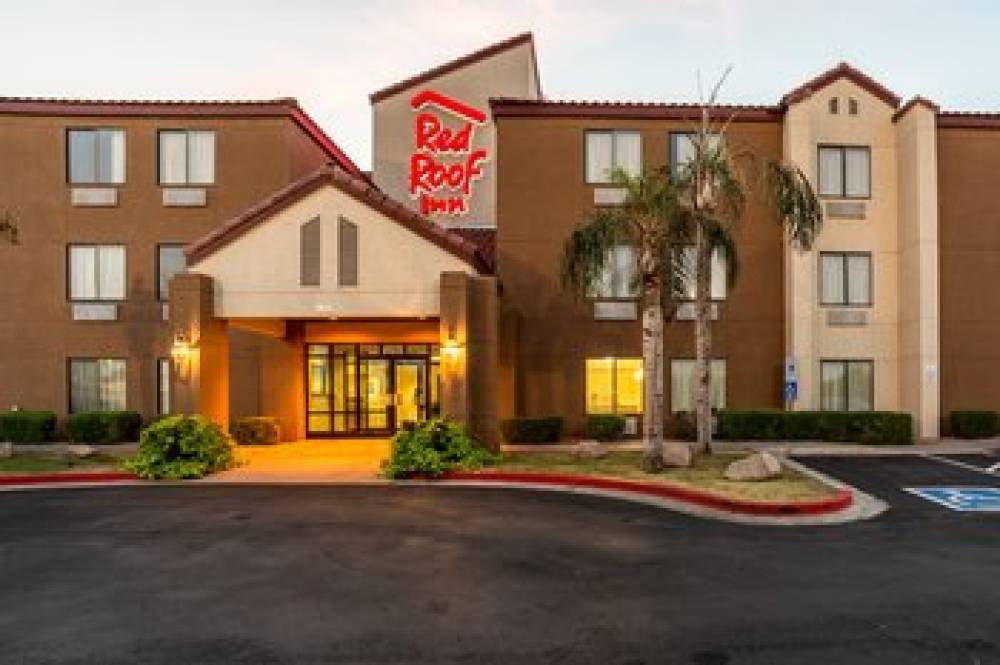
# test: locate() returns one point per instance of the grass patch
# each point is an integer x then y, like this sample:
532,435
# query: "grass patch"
705,473
40,463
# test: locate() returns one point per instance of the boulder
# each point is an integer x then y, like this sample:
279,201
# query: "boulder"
6,449
590,449
758,466
80,450
676,454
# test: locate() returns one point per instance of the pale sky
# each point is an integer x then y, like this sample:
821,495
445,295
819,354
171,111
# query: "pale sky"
331,54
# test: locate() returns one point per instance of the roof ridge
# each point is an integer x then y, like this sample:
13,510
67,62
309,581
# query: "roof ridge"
92,101
842,69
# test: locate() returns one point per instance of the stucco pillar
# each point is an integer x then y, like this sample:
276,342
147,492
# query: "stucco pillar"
200,354
469,373
282,378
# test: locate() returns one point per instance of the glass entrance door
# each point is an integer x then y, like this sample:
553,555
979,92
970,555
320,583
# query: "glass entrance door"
376,395
409,387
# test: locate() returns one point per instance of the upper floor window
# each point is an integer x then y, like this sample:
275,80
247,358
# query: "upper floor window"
169,261
682,149
96,156
187,157
610,150
96,272
685,256
845,172
347,253
614,385
845,278
619,279
682,384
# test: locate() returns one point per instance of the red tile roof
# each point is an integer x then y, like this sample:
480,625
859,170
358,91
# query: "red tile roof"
280,107
458,63
842,70
915,101
511,107
968,120
354,186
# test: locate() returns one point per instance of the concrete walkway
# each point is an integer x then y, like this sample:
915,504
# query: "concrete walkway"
806,448
308,461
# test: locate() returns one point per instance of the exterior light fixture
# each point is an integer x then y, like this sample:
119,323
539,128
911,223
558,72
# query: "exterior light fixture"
180,351
451,348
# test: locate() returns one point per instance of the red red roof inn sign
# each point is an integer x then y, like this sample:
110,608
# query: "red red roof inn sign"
444,164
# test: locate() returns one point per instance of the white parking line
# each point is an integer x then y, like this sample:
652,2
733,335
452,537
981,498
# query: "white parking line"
991,472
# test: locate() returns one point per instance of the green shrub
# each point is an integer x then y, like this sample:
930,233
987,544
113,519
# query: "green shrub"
433,447
256,430
104,426
532,430
871,427
27,426
605,427
180,447
975,424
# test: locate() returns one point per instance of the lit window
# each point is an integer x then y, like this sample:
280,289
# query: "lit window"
96,385
682,385
169,261
96,156
187,157
847,385
846,278
614,385
844,172
96,272
685,256
610,150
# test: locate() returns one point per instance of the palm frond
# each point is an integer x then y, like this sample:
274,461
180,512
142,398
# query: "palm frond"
585,251
799,211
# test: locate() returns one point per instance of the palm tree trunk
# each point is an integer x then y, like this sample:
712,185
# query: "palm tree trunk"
652,362
703,340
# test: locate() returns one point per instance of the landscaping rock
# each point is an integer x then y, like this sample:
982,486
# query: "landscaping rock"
758,466
6,449
590,449
80,450
676,454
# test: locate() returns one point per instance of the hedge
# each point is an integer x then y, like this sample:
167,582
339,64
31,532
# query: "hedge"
255,430
975,424
104,426
605,427
872,427
27,426
533,430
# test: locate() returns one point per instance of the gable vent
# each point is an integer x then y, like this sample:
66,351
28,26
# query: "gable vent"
309,253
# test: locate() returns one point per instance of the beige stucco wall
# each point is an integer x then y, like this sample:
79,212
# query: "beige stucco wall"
919,319
510,73
809,338
258,274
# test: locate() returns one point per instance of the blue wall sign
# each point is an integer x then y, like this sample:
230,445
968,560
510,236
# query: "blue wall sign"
962,499
791,391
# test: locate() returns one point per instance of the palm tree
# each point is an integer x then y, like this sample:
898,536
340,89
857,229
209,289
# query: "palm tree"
8,227
712,188
648,221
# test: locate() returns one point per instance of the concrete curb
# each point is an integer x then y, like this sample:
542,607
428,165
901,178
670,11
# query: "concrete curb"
69,478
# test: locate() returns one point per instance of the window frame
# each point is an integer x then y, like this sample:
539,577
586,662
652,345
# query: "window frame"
96,182
843,148
614,132
614,387
160,362
69,378
725,276
69,272
187,157
693,361
633,298
672,137
343,225
846,363
164,297
846,277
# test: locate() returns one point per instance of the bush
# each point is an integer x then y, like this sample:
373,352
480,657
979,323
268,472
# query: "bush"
973,424
180,447
433,447
605,427
104,426
27,426
256,430
533,430
871,427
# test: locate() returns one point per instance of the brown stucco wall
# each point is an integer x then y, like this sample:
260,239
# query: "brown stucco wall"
542,195
255,156
969,243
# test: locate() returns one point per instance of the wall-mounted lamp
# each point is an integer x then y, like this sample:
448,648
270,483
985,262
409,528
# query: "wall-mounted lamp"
181,351
451,348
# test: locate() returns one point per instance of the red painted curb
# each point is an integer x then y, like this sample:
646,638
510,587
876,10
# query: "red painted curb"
51,478
840,501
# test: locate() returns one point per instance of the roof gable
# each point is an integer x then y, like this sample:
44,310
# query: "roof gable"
846,71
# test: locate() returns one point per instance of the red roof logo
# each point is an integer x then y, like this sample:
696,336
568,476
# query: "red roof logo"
453,106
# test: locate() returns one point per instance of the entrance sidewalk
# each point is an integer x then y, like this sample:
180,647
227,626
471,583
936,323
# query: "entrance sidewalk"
308,461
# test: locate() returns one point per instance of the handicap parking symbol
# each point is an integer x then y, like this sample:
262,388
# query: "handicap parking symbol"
962,499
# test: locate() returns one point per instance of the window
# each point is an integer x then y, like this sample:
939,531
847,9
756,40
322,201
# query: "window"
845,279
347,253
96,385
852,106
847,385
96,272
187,157
686,257
614,385
163,386
619,280
309,253
834,105
610,150
682,149
169,261
845,172
682,384
96,156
